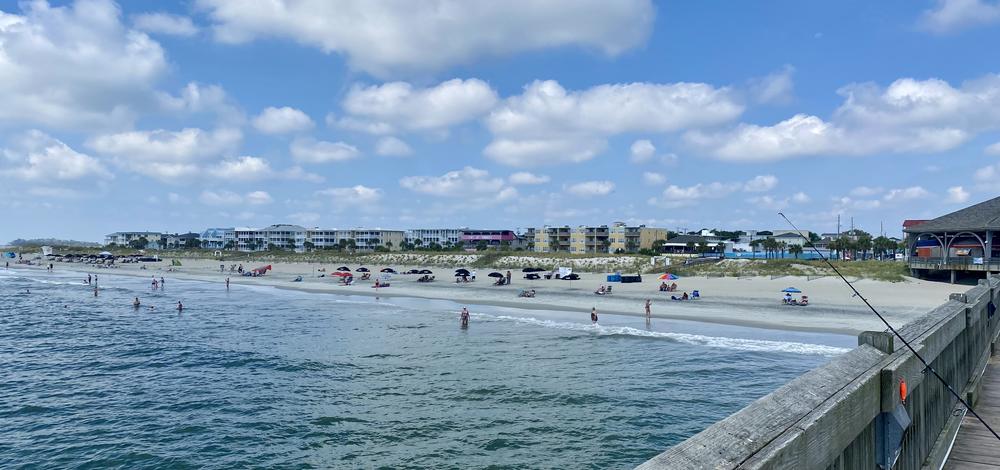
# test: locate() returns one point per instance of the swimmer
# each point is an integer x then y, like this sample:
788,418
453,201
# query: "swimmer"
227,283
593,315
180,306
465,316
162,282
135,303
95,291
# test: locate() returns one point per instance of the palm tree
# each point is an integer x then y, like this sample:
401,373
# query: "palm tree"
795,250
418,242
754,244
352,244
388,245
690,246
308,246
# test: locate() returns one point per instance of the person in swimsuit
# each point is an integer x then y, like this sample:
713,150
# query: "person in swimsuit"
227,283
593,315
180,306
649,311
465,316
135,303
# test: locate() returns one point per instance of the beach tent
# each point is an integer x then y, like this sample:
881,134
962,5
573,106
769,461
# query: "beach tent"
532,270
10,254
563,272
668,277
104,253
791,290
425,271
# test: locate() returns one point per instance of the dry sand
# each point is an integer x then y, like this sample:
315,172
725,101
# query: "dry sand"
746,302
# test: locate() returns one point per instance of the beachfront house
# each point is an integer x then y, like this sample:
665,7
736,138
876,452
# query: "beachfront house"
963,241
181,240
434,237
693,244
138,240
218,238
492,239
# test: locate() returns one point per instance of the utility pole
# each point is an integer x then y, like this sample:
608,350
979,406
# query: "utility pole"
838,225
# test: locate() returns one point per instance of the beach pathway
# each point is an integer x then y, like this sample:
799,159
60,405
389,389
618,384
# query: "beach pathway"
975,448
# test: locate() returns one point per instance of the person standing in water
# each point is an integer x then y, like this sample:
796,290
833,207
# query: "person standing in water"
95,291
135,303
465,316
180,306
163,282
593,315
649,311
227,283
88,279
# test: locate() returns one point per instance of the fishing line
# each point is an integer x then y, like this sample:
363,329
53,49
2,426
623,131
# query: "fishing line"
927,366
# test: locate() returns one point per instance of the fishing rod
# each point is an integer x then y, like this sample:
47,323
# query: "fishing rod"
927,366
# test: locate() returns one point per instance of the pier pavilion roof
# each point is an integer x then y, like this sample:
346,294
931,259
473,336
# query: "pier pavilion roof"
982,216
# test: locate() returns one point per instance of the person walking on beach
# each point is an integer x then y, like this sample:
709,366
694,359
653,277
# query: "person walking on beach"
593,315
508,277
473,274
649,311
465,316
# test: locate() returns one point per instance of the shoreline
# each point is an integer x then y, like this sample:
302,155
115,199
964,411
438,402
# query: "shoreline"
749,303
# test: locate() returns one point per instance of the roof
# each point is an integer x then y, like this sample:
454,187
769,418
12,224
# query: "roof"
911,222
982,216
684,239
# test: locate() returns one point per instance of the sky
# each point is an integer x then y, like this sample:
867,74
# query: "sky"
148,115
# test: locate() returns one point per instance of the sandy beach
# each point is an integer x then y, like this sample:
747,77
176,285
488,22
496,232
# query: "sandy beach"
746,301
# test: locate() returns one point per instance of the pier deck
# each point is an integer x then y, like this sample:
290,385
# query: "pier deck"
975,448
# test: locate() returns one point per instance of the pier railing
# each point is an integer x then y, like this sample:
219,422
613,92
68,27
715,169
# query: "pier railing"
848,413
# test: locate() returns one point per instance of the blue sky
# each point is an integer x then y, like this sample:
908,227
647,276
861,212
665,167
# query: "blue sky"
157,116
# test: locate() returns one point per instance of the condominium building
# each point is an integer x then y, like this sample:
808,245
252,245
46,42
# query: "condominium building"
218,238
492,238
552,239
153,239
295,237
618,238
584,239
440,236
283,236
630,239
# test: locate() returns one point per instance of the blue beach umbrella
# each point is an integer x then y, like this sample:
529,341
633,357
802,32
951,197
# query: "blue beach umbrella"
791,290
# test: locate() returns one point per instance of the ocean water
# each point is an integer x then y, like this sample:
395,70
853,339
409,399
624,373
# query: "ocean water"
269,378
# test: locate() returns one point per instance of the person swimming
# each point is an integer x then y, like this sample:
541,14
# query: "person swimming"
180,306
465,316
136,303
593,315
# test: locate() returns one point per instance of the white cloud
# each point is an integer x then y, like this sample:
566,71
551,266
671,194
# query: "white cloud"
761,183
866,191
309,150
801,198
642,151
75,67
420,36
284,120
591,188
775,88
38,157
166,155
957,195
392,147
456,183
992,149
244,168
258,198
524,177
361,196
676,196
548,124
908,116
653,178
906,194
220,198
199,98
952,15
165,23
229,198
396,106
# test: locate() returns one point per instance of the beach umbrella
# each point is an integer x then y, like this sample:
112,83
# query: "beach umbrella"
532,270
388,270
342,274
343,268
495,274
668,277
361,270
462,272
105,253
571,277
426,271
791,290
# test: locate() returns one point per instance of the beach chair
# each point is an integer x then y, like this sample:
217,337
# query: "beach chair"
695,295
607,291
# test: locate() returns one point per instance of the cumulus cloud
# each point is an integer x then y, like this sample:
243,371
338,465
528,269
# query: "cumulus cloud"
395,106
166,155
653,178
309,150
761,183
992,149
466,181
905,194
392,147
244,168
525,178
362,197
801,198
866,191
642,151
591,188
284,120
422,36
908,116
957,195
229,198
38,157
548,124
165,23
258,197
952,15
75,67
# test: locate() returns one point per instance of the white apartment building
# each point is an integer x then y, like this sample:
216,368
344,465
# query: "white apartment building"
441,236
153,239
294,237
218,238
